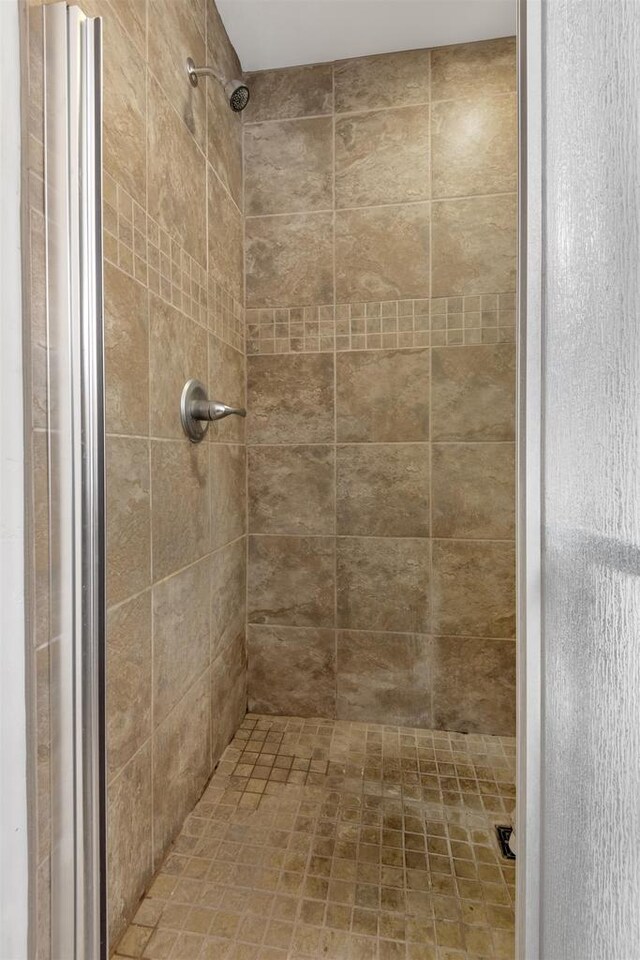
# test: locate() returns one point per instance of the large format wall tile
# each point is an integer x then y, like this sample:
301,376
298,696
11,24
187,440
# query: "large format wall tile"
291,489
128,679
291,92
474,684
224,143
228,492
473,392
125,112
384,678
289,166
226,383
387,80
382,157
181,762
126,347
289,260
224,231
129,820
228,693
176,31
473,245
228,595
292,671
382,395
128,518
180,517
177,181
382,253
178,352
181,634
474,588
474,147
291,581
473,491
383,490
383,584
473,69
290,398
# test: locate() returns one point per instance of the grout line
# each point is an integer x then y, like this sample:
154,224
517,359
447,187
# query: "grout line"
336,651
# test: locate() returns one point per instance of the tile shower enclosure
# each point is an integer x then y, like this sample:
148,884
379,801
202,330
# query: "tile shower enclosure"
345,251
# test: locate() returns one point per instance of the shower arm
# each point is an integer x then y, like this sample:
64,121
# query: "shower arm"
195,72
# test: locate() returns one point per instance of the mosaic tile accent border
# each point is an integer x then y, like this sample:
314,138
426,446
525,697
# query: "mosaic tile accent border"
135,243
382,325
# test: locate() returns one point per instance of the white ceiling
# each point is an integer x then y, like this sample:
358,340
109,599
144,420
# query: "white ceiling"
284,33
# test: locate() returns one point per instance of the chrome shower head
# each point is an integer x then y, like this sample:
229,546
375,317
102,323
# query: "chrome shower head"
236,91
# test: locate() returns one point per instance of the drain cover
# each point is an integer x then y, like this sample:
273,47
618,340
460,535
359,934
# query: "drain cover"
503,839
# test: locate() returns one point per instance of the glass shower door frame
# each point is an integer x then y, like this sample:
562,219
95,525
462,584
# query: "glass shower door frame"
73,173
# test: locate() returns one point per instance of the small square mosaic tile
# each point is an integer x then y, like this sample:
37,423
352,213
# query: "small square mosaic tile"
339,840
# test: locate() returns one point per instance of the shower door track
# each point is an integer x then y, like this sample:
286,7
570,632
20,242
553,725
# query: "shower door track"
73,178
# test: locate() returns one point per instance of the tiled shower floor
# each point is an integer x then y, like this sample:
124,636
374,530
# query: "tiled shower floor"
348,841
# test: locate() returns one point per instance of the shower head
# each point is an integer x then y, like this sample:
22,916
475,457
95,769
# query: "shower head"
236,91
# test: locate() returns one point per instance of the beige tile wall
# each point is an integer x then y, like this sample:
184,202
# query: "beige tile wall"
174,308
380,275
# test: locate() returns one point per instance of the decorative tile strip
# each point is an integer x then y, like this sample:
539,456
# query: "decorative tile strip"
135,243
382,325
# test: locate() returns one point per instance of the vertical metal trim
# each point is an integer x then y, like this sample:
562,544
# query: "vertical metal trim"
73,158
529,483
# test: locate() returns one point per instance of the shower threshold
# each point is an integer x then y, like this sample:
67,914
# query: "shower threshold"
340,840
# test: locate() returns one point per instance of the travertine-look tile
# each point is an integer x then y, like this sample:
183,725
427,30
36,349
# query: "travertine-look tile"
382,253
474,685
483,69
133,17
473,245
130,865
474,590
178,352
125,111
228,492
181,634
384,678
228,595
288,165
177,178
228,693
175,32
291,92
126,347
224,133
474,146
42,615
43,749
226,383
128,517
294,668
181,762
180,518
382,156
289,260
291,489
473,490
383,584
473,392
290,398
291,581
383,490
382,395
128,679
224,237
388,80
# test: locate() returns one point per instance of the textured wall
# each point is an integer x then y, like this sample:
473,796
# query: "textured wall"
380,270
176,660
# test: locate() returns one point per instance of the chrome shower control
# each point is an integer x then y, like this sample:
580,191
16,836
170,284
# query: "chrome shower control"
196,410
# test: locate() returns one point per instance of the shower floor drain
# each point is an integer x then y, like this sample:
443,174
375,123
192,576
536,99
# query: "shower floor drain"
504,834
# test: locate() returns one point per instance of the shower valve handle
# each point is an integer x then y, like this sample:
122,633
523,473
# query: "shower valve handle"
214,410
197,411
